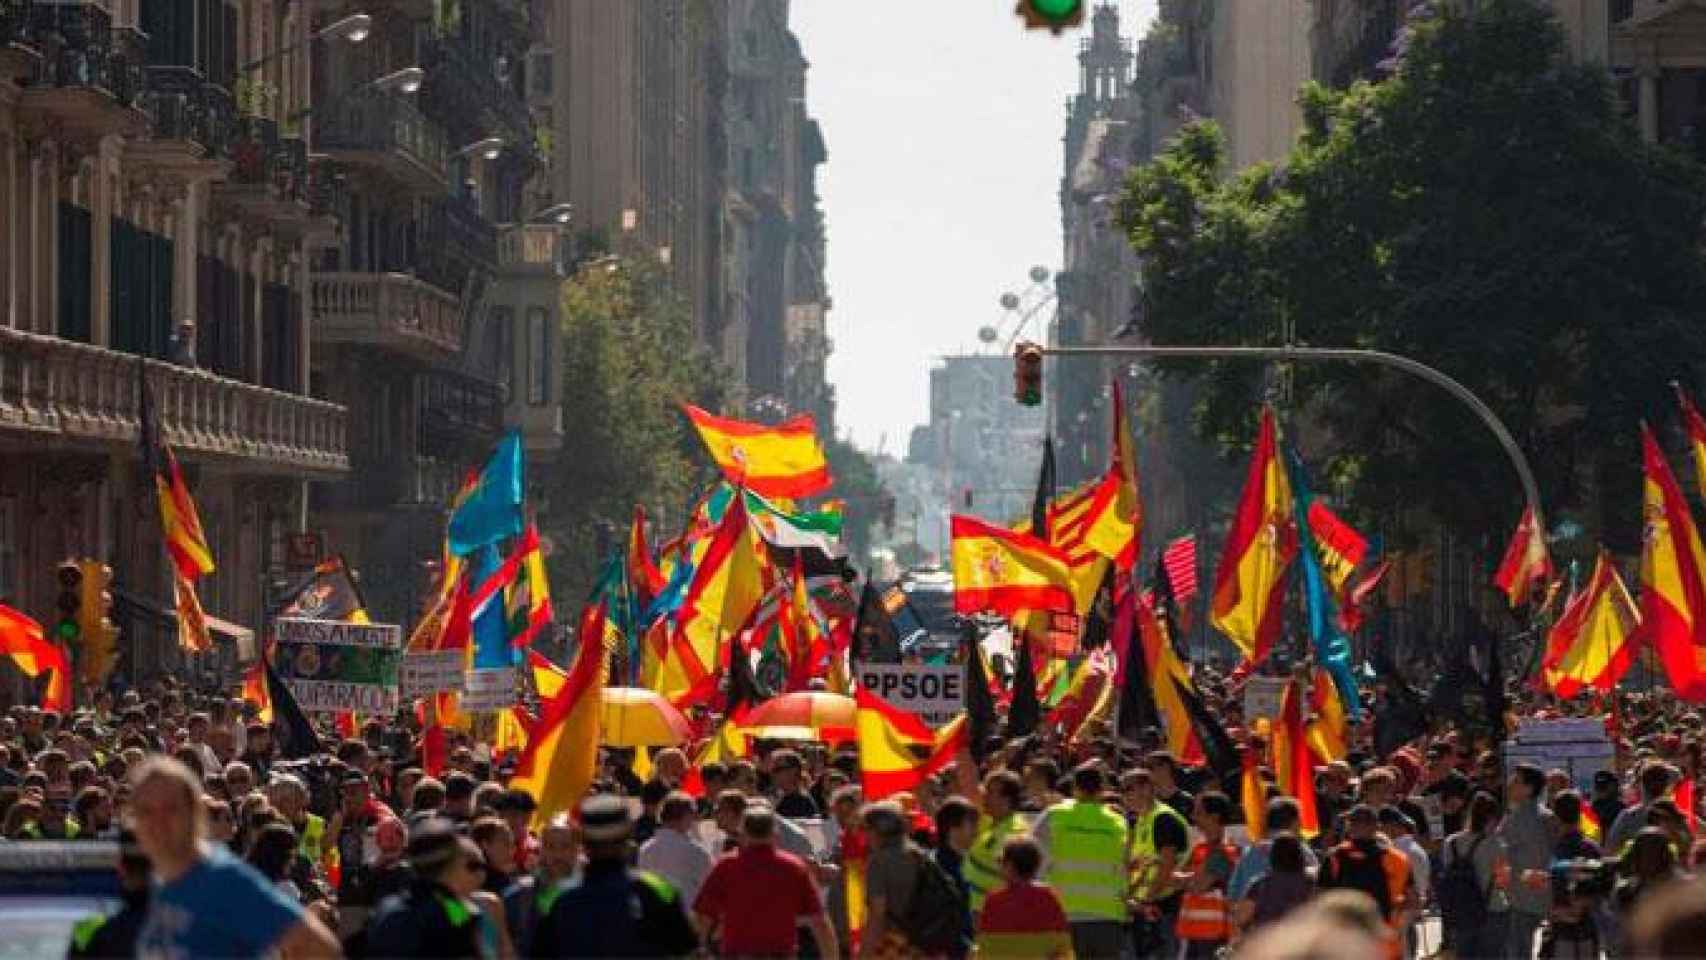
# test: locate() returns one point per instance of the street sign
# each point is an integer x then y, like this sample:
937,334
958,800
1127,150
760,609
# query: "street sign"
936,692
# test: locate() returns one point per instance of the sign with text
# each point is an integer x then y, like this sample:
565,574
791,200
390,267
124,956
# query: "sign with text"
1262,697
1578,746
432,671
936,692
490,688
332,666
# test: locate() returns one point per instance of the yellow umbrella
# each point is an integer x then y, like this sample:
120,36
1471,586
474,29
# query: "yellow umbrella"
637,717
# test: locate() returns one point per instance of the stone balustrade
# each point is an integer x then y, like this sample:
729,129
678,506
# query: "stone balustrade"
82,392
392,310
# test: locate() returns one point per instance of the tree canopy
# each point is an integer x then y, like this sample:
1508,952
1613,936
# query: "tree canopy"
628,360
1486,209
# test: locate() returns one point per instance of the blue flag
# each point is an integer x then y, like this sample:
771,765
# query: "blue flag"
490,628
492,511
1332,647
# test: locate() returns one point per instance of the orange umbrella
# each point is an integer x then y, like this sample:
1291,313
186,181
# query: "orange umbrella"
637,717
813,709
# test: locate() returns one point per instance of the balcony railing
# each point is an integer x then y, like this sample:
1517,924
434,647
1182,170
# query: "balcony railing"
183,107
463,82
385,130
390,310
50,386
277,165
458,416
462,240
83,51
534,247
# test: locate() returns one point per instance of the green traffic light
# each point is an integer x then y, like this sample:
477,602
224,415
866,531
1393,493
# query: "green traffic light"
66,630
1057,11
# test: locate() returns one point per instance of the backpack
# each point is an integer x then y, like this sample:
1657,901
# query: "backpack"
934,920
1462,902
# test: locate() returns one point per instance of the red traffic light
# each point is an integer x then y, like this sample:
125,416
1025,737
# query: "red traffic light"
1028,374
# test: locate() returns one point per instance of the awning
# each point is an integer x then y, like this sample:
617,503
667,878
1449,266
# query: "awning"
167,618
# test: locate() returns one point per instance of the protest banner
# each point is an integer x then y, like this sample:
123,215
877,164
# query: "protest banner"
489,688
333,666
936,692
432,671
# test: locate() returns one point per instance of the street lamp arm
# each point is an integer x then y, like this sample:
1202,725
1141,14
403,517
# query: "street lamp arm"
1519,461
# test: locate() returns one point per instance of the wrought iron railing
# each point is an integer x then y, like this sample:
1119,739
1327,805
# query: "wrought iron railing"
383,121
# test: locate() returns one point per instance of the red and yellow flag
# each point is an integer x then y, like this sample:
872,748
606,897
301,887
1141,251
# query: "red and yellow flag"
562,752
1592,645
1004,571
255,689
781,461
728,584
180,523
1252,796
1341,547
22,639
1167,674
1327,732
530,587
1249,587
1673,596
1525,562
887,737
1293,764
643,572
192,622
1696,437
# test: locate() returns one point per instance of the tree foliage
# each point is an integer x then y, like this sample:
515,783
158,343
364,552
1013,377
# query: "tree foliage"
1487,210
629,359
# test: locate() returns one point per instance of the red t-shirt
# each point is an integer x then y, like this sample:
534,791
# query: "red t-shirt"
1022,908
758,894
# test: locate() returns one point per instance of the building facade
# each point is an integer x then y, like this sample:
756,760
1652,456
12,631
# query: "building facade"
157,217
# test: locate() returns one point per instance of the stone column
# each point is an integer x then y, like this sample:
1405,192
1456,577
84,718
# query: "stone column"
1648,101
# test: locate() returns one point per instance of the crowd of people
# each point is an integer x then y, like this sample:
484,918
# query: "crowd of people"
1094,847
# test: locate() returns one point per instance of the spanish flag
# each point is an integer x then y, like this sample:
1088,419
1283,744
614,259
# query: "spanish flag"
548,678
1293,763
1591,644
644,576
22,639
781,461
888,737
1249,587
1673,596
1251,794
1004,571
1327,732
1525,562
1696,437
562,752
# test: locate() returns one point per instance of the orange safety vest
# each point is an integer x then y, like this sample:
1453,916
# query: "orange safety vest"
1205,916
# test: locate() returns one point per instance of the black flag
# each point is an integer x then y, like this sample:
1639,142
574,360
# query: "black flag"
874,635
1045,493
980,706
1025,712
295,735
1137,697
1223,756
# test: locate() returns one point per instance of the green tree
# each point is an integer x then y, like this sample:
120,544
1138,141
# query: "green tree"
629,359
855,482
1485,209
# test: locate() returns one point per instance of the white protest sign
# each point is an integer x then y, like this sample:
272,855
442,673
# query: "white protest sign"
332,666
491,688
936,692
1262,697
431,671
1578,746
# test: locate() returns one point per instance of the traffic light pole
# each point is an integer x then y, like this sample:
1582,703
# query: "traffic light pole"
1519,461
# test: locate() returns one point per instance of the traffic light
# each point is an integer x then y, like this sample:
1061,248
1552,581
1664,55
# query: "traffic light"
1051,15
99,638
1028,374
70,601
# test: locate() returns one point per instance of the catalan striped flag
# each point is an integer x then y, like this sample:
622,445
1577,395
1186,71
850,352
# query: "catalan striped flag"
781,461
1249,587
1179,561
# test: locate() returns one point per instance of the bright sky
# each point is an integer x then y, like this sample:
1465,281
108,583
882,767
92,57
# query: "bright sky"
943,121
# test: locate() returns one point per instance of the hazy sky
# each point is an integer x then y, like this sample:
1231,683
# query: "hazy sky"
943,122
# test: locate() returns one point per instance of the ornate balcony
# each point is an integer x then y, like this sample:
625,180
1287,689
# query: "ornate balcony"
88,83
269,177
390,310
463,241
52,387
385,133
19,55
464,85
533,248
191,122
458,416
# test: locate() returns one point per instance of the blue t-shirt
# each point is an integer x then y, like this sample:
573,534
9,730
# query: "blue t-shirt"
221,908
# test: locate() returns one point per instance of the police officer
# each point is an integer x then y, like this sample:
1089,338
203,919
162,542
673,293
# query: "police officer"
610,910
434,917
115,935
